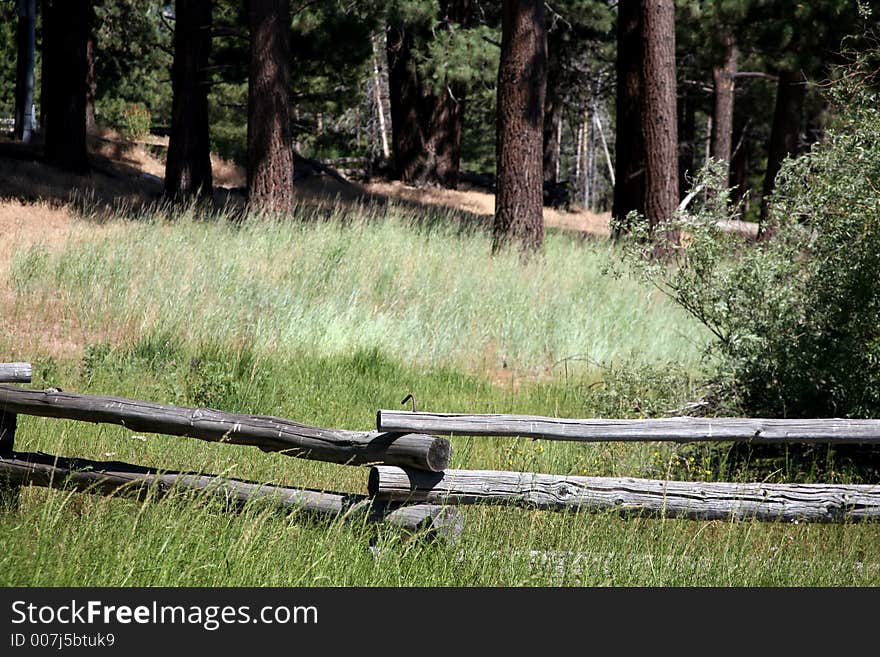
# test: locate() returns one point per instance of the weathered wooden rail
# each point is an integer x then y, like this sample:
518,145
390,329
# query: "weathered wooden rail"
696,500
15,372
673,429
271,434
115,478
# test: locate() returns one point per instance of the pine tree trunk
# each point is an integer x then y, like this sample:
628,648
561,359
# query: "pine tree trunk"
724,79
659,121
522,79
66,32
785,133
443,144
24,70
426,123
405,94
629,157
188,165
270,152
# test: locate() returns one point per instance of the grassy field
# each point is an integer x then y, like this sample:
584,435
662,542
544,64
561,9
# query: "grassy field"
324,320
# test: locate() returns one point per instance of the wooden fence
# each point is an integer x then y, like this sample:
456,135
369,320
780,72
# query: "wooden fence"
410,484
270,434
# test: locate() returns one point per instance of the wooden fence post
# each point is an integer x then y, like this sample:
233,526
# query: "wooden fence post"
9,491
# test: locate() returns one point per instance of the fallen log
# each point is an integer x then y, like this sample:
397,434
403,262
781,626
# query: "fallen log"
15,372
674,429
116,478
696,500
271,434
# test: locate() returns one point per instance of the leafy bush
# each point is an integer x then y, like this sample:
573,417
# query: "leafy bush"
796,316
132,120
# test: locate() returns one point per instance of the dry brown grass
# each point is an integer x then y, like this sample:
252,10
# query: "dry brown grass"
482,203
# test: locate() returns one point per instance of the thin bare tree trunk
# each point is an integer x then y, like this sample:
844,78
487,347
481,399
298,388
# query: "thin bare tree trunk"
724,78
377,87
24,70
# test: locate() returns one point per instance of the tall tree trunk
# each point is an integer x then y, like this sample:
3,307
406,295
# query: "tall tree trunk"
66,32
724,82
24,70
659,122
188,165
552,108
629,157
687,146
378,89
522,80
785,133
407,136
443,143
270,153
426,123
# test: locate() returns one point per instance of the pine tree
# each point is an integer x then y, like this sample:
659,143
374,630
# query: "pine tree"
188,164
521,89
659,121
270,147
629,174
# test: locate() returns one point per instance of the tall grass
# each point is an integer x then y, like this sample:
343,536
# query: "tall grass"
324,321
420,289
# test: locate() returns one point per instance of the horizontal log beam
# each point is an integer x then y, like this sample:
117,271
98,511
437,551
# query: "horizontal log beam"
696,500
115,478
271,434
15,372
672,429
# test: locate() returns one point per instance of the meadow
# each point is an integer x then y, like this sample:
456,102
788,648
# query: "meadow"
324,319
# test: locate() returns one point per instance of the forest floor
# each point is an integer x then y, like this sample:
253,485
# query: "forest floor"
130,174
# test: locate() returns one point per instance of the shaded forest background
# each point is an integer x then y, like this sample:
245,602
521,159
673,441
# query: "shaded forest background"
408,89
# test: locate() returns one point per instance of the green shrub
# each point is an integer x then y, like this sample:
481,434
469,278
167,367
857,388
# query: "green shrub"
132,120
796,317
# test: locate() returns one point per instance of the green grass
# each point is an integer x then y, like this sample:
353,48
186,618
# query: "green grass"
326,321
428,292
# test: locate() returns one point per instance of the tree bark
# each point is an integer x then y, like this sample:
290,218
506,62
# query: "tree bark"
188,165
270,152
24,70
785,133
66,33
629,158
659,121
407,137
522,79
724,84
